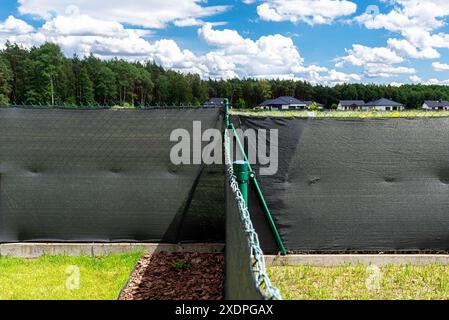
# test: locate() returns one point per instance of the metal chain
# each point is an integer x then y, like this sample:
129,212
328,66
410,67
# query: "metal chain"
258,266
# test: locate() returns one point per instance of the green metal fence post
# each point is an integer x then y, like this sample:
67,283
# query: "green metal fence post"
249,175
242,174
260,194
227,113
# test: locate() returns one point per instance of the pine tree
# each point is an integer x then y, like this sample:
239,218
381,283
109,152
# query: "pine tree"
162,90
86,94
143,86
65,86
106,86
5,78
18,59
45,65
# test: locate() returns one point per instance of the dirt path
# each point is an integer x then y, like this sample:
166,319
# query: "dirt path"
177,276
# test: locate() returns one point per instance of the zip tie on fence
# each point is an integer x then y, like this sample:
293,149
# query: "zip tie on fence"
257,257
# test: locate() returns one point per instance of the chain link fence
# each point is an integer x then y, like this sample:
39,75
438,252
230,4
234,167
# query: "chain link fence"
246,277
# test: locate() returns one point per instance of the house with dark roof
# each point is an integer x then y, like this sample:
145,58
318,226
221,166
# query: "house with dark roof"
435,105
283,103
215,102
384,105
379,105
350,105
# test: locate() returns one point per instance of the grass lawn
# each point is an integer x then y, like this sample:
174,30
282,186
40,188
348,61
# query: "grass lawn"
345,114
56,278
361,282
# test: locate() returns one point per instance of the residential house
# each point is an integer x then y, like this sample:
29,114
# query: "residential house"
350,105
283,103
383,105
435,105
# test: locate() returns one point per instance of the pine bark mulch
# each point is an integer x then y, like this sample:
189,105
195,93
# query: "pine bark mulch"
177,276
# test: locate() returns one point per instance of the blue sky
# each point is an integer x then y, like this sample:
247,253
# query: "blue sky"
322,41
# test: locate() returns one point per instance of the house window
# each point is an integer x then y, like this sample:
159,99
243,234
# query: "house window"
387,108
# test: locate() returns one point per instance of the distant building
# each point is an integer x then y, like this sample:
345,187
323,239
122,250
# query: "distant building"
350,105
383,105
435,105
378,105
215,102
283,103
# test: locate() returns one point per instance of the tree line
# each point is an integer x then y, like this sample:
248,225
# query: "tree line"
42,75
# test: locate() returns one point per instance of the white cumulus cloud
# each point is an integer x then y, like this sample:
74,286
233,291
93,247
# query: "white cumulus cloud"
406,48
437,66
147,13
378,62
360,55
84,25
376,70
273,56
308,11
268,55
15,26
417,21
415,79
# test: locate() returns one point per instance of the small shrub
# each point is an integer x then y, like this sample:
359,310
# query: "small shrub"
181,265
127,105
313,107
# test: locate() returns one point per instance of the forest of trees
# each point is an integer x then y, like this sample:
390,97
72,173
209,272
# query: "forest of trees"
44,76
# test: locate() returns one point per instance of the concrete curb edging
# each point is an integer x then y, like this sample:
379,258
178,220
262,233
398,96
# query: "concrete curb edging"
36,250
332,260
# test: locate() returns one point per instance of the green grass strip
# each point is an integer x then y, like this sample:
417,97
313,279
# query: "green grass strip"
55,277
362,283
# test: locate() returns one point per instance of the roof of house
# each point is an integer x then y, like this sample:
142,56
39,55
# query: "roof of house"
215,102
282,101
436,104
384,102
352,102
